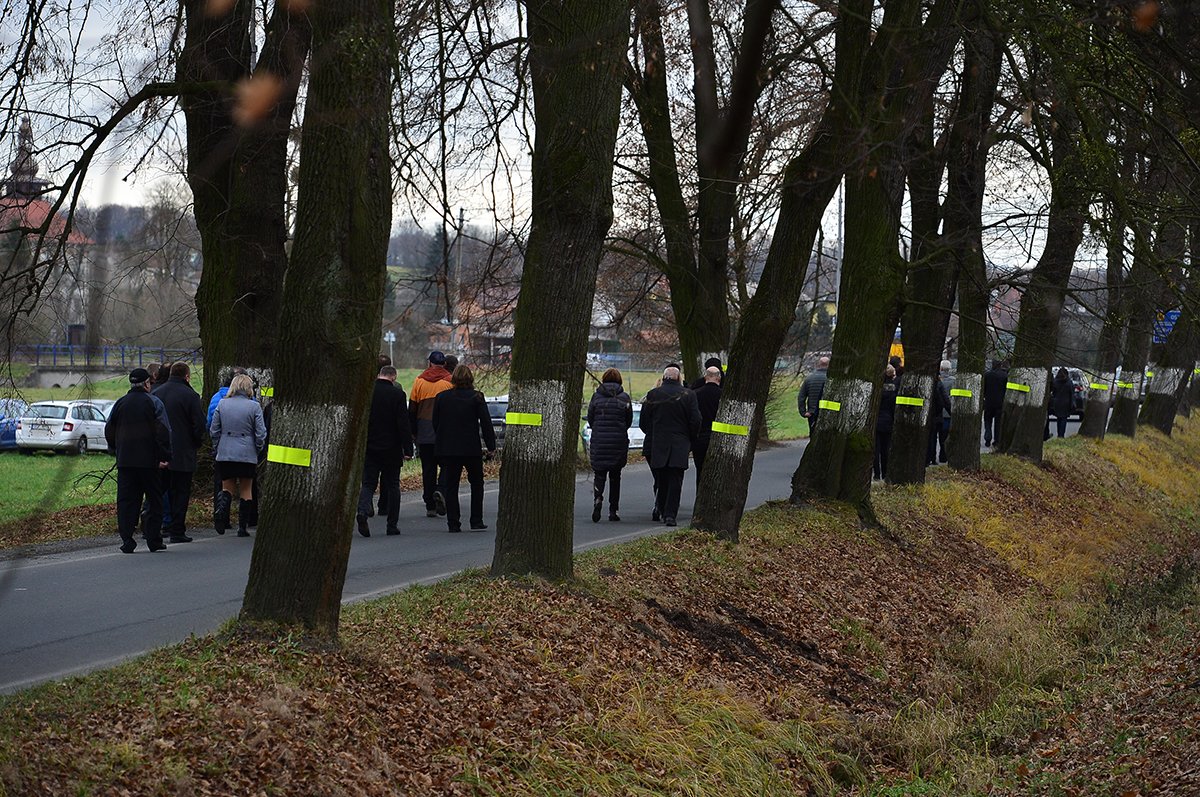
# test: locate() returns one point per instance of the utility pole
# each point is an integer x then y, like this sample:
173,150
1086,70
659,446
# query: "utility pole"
455,276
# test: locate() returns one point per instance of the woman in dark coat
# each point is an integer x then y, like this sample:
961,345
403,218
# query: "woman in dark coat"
460,421
1062,392
610,414
883,422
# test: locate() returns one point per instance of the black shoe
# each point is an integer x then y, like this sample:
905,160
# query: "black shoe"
243,533
455,529
613,516
179,538
361,519
669,521
654,515
156,546
392,531
430,513
478,527
221,507
439,503
596,507
128,547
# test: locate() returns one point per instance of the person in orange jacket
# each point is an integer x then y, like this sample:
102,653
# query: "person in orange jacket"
432,381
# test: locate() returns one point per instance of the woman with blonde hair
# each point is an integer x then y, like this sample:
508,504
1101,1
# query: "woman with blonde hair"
239,434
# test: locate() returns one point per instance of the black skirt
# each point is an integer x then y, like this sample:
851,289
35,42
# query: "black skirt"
236,470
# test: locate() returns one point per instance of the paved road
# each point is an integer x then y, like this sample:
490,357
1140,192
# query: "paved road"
66,614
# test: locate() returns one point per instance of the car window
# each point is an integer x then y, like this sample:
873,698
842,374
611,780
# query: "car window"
89,414
47,411
497,409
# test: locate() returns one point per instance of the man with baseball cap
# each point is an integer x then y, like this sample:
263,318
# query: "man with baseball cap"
139,434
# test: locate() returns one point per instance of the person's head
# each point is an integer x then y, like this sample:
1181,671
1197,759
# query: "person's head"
181,370
612,375
140,379
712,362
670,374
1062,374
227,374
462,377
895,362
823,364
890,371
387,372
451,362
712,374
242,385
153,369
997,364
437,358
384,360
945,367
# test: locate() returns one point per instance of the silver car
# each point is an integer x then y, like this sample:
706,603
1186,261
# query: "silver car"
73,427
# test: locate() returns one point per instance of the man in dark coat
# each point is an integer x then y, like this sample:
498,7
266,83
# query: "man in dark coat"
711,362
671,416
139,433
809,399
460,421
185,413
939,416
389,441
994,385
708,398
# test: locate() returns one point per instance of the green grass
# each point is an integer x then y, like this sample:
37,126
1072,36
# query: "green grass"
44,483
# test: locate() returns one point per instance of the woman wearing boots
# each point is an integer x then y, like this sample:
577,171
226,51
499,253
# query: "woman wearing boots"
239,433
610,414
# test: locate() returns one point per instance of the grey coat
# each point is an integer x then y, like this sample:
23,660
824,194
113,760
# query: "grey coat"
238,429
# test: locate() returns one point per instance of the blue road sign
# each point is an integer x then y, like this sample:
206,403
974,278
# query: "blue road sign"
1164,322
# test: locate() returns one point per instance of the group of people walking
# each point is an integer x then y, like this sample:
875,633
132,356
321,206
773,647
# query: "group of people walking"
677,421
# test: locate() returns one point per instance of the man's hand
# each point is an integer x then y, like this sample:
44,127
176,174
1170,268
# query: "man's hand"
163,465
488,456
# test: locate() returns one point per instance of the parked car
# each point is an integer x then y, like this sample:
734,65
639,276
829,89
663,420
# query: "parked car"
1080,381
497,408
73,427
636,436
10,410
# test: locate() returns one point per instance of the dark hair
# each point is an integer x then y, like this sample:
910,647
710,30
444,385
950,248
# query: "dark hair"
612,375
384,360
154,368
895,361
451,362
713,362
462,377
1062,374
180,370
387,370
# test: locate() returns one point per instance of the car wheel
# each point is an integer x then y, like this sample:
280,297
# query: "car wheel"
81,446
25,452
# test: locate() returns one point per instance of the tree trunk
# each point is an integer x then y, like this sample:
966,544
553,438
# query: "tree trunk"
809,184
1139,295
237,170
1100,390
334,297
1026,400
1171,375
576,63
966,160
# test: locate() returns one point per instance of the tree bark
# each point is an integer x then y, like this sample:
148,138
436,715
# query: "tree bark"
334,299
1026,400
1100,390
966,174
237,170
576,64
1139,293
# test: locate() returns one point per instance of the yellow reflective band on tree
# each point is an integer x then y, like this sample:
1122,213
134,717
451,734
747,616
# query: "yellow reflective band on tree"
289,456
1098,386
1017,387
911,401
731,428
835,406
1126,385
961,392
1197,371
268,392
1149,374
523,418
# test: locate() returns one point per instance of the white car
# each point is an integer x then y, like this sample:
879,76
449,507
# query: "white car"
74,427
636,436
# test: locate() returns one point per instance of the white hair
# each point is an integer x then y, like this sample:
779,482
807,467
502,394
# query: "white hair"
671,374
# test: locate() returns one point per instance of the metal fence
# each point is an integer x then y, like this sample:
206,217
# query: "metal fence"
52,355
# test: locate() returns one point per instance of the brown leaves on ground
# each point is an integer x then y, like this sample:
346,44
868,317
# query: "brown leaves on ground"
668,665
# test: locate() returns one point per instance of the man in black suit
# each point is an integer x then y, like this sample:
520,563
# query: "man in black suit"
389,442
994,385
708,397
185,412
671,420
139,434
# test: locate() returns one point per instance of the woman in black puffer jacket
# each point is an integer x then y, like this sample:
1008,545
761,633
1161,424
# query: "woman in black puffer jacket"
610,414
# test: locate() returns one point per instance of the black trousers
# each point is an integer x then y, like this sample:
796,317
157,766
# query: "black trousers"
937,441
670,485
385,472
177,485
452,468
1061,420
614,488
699,452
429,473
883,444
991,425
135,485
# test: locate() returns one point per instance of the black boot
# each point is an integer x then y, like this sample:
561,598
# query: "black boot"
221,508
244,511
